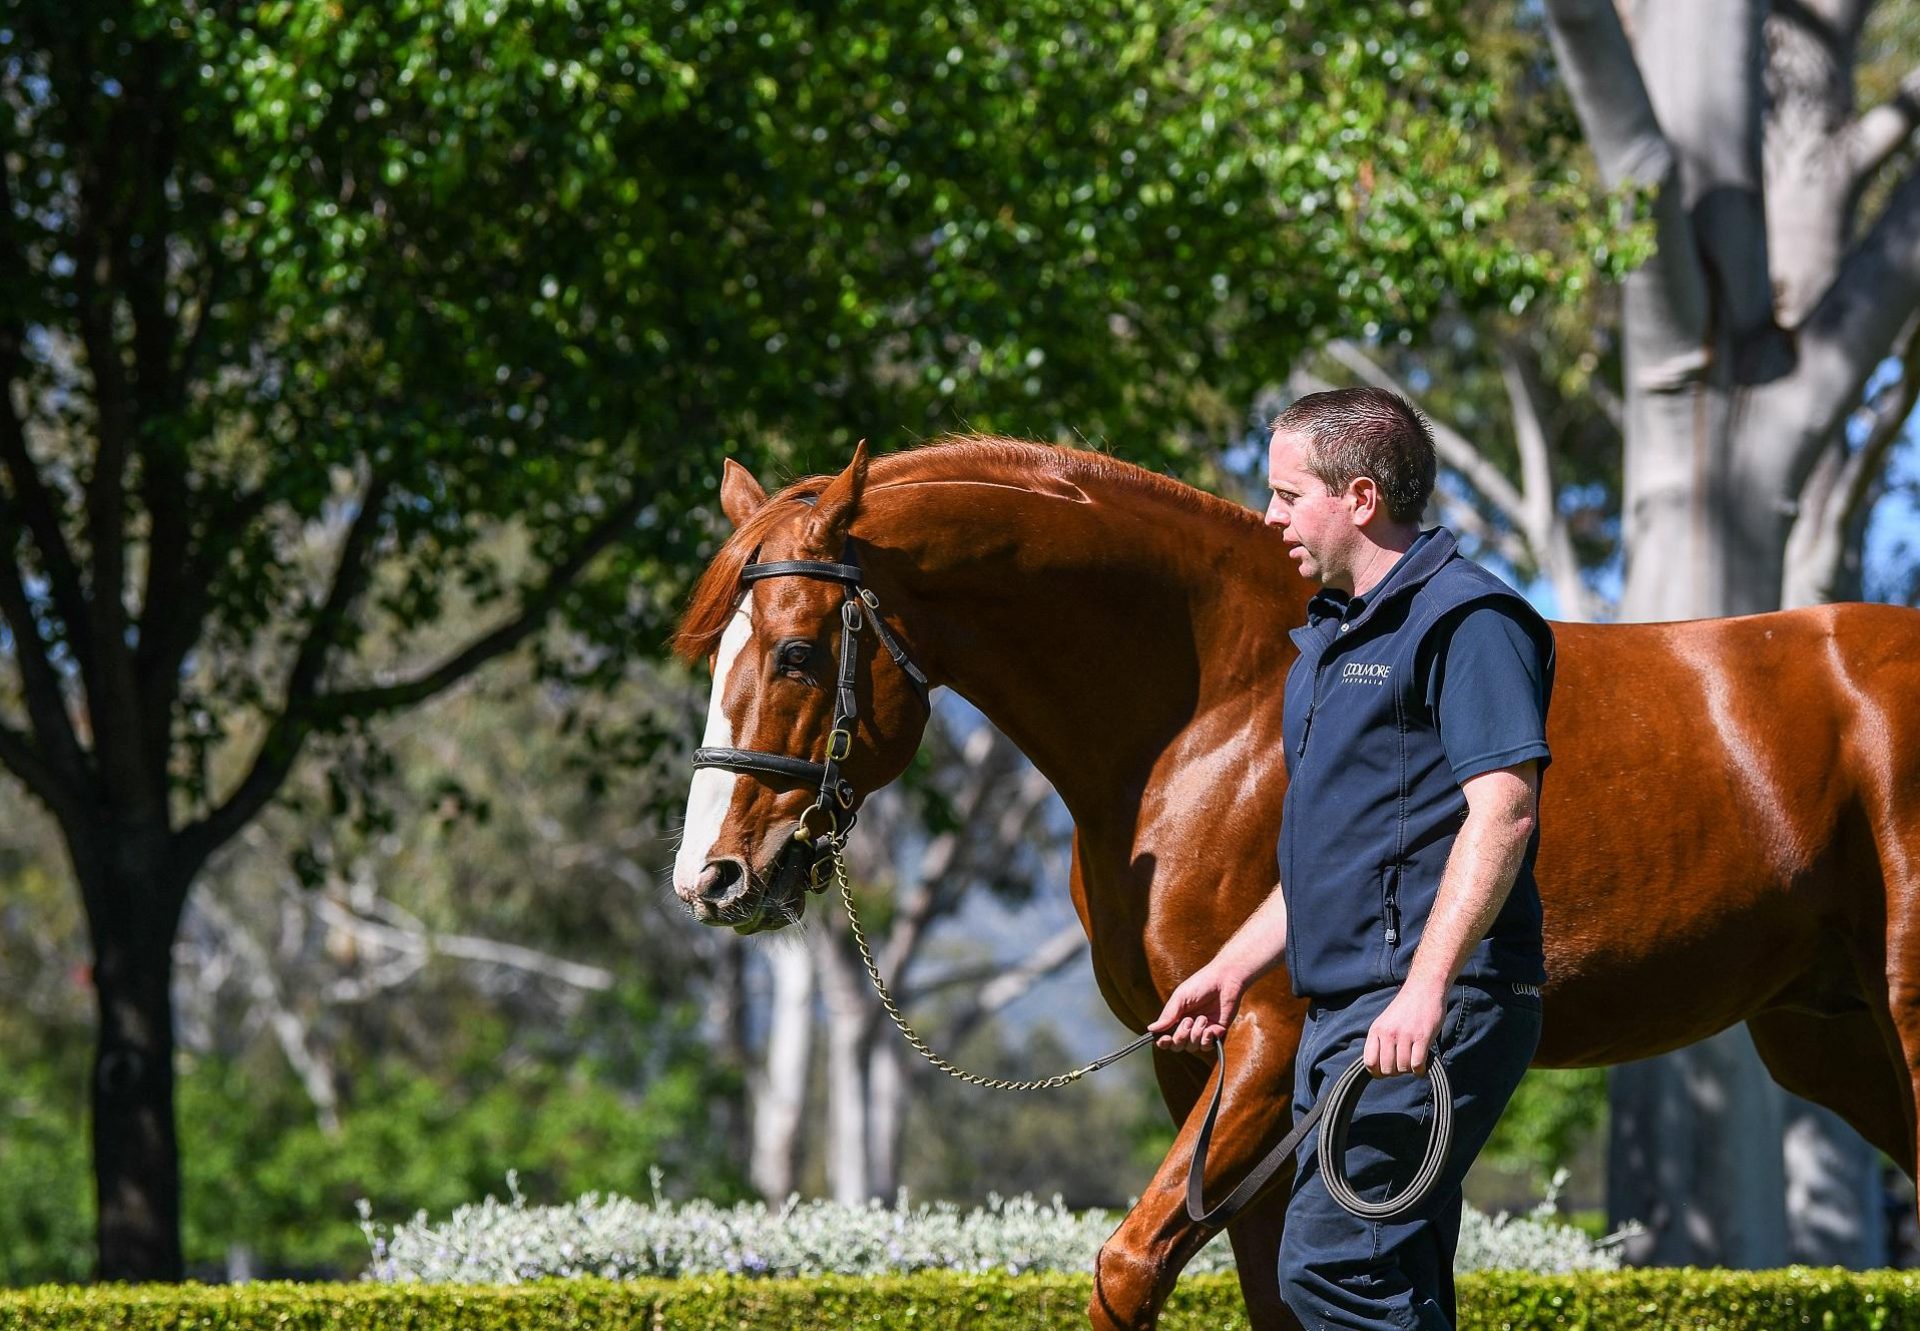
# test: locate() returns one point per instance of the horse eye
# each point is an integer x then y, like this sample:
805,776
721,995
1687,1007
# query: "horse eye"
794,655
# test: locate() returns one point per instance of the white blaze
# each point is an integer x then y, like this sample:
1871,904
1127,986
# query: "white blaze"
712,790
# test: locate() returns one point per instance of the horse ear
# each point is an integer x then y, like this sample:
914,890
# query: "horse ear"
833,511
740,495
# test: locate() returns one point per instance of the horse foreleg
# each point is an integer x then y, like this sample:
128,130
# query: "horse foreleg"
1255,1232
1255,1236
1138,1264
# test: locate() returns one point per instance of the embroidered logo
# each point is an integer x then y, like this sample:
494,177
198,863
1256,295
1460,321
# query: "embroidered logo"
1530,990
1365,672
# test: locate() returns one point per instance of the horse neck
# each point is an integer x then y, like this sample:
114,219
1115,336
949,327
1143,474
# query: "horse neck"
1090,633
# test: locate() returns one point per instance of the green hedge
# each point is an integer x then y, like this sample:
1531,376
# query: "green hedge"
1642,1300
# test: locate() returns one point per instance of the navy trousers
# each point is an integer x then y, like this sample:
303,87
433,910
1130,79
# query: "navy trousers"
1339,1271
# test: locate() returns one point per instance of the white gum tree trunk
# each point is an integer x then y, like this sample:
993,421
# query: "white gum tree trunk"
779,1093
819,979
1750,340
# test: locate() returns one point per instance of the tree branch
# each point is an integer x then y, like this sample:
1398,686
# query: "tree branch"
1546,529
45,695
1454,448
466,947
31,497
20,758
1066,943
170,625
1530,439
101,249
305,709
1609,403
1610,96
161,386
1463,517
400,930
289,731
195,340
369,702
1890,418
1839,485
1712,119
33,502
291,1032
1876,135
1856,322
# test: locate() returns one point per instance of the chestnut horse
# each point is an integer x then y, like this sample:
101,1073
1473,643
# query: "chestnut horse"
1728,831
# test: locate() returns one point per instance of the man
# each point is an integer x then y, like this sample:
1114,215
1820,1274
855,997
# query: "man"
1415,732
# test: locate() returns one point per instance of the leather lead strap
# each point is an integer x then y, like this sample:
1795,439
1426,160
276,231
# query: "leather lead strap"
1339,1100
1249,1186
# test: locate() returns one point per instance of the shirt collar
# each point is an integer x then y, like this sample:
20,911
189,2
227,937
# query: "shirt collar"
1430,549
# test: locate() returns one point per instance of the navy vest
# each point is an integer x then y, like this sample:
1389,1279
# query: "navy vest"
1372,806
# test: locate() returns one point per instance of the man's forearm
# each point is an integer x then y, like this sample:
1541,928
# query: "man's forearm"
1258,944
1486,859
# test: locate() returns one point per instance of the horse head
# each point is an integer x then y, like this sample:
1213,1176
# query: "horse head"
807,715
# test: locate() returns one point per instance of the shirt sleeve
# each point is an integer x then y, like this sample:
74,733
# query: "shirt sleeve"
1487,692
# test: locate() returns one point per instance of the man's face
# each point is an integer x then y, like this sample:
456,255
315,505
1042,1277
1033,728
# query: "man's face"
1318,526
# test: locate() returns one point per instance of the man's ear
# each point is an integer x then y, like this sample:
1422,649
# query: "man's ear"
833,511
1367,503
740,495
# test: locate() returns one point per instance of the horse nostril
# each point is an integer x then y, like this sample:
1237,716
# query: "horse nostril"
718,879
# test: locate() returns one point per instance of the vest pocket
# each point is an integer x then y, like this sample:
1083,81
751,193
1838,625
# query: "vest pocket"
1389,919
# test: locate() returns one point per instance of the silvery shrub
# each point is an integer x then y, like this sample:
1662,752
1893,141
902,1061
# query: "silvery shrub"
496,1242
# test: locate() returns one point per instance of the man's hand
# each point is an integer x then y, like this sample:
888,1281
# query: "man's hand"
1197,1013
1402,1038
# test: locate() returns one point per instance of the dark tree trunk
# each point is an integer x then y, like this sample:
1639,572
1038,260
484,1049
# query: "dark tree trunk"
135,1147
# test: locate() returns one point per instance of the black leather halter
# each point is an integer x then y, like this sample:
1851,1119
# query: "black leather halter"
832,815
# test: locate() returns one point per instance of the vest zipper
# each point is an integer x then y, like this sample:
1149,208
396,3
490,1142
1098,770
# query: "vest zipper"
1313,701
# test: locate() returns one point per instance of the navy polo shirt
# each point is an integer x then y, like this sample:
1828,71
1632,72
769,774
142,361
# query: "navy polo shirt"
1495,713
1439,674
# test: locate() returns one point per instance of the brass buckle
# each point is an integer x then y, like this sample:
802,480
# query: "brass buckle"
839,745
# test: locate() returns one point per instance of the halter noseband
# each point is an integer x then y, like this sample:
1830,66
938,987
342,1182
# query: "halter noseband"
823,818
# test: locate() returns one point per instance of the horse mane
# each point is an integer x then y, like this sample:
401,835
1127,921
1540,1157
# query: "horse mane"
1017,462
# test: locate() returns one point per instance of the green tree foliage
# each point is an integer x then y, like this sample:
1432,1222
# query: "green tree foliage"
261,1175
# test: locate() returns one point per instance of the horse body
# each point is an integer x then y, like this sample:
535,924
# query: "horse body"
1726,820
1711,824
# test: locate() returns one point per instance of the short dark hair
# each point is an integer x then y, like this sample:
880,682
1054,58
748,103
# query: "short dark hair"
1355,432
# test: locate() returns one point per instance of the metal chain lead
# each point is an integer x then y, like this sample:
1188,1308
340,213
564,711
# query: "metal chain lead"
919,1045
